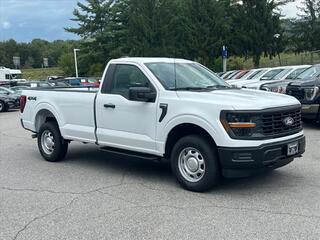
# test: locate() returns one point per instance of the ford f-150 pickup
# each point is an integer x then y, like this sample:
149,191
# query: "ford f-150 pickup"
306,90
161,108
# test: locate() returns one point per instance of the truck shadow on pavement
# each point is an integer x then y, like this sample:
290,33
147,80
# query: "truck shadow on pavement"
159,173
311,125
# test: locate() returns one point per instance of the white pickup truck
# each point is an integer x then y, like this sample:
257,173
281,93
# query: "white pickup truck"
160,108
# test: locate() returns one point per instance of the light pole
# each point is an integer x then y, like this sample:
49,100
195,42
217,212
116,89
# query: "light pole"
75,60
277,37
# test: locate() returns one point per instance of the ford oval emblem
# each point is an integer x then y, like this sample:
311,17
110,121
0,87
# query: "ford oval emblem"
288,121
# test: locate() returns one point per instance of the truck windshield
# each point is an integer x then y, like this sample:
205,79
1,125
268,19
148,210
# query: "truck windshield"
185,76
310,73
16,76
272,74
295,73
257,74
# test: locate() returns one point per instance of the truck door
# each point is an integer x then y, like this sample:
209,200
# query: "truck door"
121,122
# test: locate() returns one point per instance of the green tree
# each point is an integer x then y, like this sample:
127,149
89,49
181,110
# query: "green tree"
29,63
66,63
306,29
256,25
93,18
209,26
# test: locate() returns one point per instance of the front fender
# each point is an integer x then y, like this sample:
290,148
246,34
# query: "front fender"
210,128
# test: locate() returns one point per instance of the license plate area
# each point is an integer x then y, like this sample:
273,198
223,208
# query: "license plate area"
293,149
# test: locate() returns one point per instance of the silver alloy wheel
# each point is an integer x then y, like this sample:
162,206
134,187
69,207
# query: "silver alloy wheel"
47,142
191,164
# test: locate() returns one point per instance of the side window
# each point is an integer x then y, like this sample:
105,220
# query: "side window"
126,76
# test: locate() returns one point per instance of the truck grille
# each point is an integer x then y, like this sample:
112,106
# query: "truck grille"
297,93
273,124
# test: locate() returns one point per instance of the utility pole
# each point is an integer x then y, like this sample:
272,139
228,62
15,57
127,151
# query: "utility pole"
75,61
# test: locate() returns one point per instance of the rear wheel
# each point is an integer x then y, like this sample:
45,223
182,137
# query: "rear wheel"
3,107
195,164
51,145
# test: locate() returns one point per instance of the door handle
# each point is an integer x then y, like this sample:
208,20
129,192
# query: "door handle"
110,105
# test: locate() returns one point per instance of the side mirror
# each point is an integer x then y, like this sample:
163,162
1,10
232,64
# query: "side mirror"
142,94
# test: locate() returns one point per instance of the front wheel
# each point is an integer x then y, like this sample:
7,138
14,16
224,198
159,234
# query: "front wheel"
195,163
51,145
3,107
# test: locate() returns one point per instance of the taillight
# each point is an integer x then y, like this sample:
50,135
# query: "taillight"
23,101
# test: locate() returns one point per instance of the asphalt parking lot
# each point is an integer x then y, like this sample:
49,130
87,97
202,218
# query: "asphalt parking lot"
95,195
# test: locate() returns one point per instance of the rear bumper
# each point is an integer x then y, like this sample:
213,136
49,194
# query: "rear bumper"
310,111
245,161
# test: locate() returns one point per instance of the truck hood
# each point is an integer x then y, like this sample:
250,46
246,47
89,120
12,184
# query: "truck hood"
306,83
240,99
240,83
257,84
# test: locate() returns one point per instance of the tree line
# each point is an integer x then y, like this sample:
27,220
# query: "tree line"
31,54
192,29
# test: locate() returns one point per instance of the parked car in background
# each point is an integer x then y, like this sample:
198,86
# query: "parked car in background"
306,90
18,89
250,76
59,83
266,76
52,78
232,75
227,74
90,82
8,99
280,86
240,74
274,75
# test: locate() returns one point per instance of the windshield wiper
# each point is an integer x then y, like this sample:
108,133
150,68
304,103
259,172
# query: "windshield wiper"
188,88
218,87
201,88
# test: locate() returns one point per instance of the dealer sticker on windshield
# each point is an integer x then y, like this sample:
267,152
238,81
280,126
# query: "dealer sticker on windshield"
293,148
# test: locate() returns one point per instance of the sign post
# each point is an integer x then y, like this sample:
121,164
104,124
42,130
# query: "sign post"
224,58
45,62
16,62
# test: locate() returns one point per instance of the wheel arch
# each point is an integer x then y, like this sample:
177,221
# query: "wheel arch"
43,116
184,129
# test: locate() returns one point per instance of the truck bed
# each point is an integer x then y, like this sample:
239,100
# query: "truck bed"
72,106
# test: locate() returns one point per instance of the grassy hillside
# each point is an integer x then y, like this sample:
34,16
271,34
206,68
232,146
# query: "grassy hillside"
286,59
41,73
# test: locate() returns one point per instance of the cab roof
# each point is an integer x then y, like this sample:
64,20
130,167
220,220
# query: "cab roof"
150,60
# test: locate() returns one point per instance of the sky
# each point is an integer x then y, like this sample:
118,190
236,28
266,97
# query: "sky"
24,20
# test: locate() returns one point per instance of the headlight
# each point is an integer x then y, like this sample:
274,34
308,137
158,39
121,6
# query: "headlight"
238,124
265,88
310,93
278,90
274,89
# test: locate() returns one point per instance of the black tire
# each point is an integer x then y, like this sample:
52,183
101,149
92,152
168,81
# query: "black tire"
60,146
3,107
206,151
